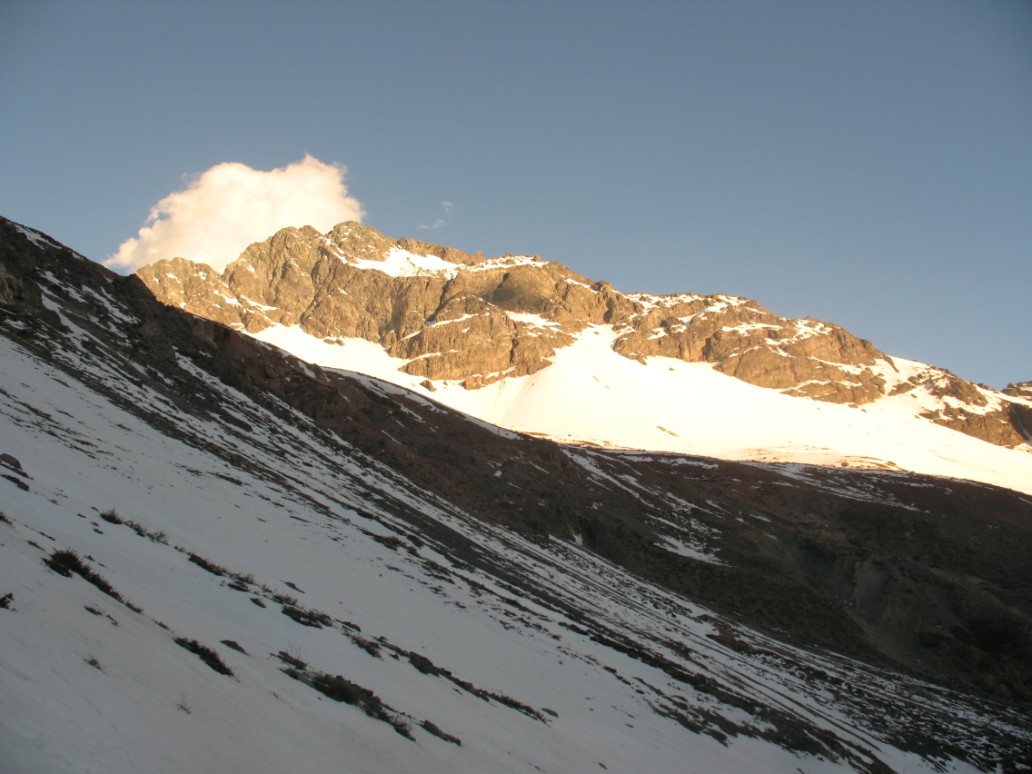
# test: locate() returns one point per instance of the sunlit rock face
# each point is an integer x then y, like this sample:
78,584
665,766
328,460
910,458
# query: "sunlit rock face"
455,316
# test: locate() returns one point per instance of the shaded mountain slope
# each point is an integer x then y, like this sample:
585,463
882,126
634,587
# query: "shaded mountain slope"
479,563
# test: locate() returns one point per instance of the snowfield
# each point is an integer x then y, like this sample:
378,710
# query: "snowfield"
590,394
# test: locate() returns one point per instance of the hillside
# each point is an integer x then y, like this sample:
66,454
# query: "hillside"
215,556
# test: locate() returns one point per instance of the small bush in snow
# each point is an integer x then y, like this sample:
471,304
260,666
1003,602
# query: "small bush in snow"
206,654
307,617
339,688
155,535
291,660
111,516
432,728
67,562
214,569
369,646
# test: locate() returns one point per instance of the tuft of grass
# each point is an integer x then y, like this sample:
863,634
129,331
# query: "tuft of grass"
64,563
241,581
425,665
158,536
291,660
339,688
206,654
111,516
67,562
6,600
183,706
212,567
307,617
283,599
369,646
432,728
92,661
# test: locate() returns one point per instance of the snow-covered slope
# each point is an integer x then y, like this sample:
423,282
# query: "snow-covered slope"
216,558
590,394
91,684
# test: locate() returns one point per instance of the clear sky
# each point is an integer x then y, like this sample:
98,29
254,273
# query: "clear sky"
866,163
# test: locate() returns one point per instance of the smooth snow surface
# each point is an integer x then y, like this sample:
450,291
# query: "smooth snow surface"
403,263
591,394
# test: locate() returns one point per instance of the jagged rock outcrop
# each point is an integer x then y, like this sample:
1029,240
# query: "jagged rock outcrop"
452,315
1021,409
969,408
449,324
1019,390
742,339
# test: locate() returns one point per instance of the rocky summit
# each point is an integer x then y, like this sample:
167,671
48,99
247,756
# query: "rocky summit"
455,316
449,316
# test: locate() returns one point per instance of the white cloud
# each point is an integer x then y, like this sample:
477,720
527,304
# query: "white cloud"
446,207
226,208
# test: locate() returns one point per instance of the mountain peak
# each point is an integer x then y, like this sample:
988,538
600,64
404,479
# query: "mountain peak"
438,318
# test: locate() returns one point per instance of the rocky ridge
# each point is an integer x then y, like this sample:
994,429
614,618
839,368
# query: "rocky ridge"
456,316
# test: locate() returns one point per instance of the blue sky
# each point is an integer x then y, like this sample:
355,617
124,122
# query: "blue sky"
866,163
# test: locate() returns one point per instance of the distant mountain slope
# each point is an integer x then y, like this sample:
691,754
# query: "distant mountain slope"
214,556
529,345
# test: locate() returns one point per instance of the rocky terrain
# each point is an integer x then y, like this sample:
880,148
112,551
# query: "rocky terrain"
451,316
846,619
